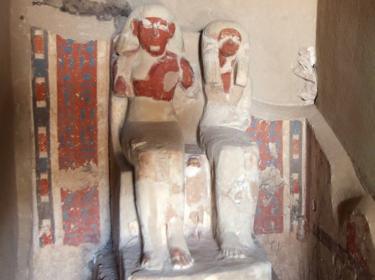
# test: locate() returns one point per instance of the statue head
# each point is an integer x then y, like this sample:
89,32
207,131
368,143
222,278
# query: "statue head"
153,34
150,27
228,39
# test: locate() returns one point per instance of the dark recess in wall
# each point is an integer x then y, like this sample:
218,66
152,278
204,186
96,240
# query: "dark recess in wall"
102,11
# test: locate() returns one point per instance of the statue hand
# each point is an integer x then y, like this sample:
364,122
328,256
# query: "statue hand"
194,91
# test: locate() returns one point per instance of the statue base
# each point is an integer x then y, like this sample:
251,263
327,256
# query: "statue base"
207,265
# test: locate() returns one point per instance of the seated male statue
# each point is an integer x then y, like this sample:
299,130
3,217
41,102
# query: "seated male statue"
234,159
147,72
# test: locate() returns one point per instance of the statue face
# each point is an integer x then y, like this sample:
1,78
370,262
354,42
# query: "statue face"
229,41
153,34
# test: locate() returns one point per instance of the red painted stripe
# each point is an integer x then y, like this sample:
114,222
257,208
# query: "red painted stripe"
40,91
43,187
46,238
296,147
38,42
42,143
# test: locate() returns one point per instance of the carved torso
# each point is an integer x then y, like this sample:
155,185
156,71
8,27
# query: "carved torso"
154,77
162,79
227,104
228,97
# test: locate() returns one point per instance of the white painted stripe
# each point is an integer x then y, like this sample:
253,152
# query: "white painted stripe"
296,136
38,32
44,176
286,173
40,80
56,194
43,154
41,104
39,56
296,197
44,198
103,57
42,130
303,168
46,222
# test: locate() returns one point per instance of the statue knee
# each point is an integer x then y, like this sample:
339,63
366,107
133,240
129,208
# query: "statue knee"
229,152
145,164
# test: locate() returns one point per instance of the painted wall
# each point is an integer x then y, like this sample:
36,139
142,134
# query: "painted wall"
63,233
8,204
277,29
346,61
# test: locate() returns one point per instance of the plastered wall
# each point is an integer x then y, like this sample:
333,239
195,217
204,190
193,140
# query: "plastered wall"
346,59
8,204
277,30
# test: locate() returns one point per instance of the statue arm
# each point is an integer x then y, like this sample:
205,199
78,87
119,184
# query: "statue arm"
121,80
118,113
187,74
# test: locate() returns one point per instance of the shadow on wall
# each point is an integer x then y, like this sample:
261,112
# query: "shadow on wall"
346,59
343,247
8,199
340,249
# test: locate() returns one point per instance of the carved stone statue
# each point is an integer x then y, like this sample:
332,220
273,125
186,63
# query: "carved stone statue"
305,69
233,157
148,70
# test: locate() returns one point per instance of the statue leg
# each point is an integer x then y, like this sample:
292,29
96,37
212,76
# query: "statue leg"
236,183
160,204
152,193
179,252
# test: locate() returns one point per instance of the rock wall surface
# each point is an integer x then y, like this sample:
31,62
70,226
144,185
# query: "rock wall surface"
346,59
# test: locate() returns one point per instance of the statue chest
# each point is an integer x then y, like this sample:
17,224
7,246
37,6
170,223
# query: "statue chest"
161,79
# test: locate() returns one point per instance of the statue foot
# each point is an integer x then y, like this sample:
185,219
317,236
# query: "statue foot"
180,259
233,248
151,262
233,253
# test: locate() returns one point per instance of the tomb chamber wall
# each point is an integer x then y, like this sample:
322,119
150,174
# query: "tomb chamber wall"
62,139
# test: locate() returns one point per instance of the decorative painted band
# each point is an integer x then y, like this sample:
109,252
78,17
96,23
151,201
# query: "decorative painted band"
41,115
65,112
77,130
